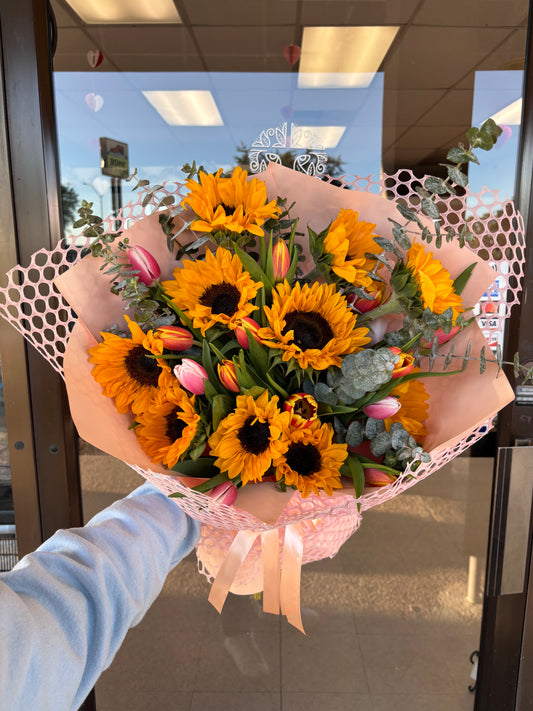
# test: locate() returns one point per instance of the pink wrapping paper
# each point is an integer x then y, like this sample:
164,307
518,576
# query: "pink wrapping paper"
458,403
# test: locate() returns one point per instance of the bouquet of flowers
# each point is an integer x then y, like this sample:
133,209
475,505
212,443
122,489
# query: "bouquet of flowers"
276,353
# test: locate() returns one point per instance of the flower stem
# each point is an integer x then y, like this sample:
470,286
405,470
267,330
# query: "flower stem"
392,306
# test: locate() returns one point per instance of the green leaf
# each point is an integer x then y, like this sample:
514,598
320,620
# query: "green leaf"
472,134
430,209
458,177
491,128
259,355
203,467
222,406
435,185
482,361
457,155
353,468
253,268
461,281
408,214
516,365
208,365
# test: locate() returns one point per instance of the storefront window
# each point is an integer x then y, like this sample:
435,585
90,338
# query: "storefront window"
363,89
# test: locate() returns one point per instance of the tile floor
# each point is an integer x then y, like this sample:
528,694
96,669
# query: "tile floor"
388,624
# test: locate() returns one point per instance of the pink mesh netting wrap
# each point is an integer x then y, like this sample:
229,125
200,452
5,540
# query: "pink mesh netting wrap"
31,303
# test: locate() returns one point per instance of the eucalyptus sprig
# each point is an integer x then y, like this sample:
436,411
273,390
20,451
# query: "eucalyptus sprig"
483,138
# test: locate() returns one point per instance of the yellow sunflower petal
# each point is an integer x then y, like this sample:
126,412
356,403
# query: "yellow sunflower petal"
433,280
214,290
233,204
312,324
248,439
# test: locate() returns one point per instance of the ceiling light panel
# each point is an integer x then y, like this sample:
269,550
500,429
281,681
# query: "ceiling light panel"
185,108
343,57
510,115
103,12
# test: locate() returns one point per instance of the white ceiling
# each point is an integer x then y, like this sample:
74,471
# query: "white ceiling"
429,70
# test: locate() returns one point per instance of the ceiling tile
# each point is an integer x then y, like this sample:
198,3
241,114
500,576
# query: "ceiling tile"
343,13
514,48
235,41
240,12
245,63
146,39
454,109
428,137
423,58
473,13
404,107
63,17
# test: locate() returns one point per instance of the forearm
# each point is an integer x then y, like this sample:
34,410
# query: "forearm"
65,609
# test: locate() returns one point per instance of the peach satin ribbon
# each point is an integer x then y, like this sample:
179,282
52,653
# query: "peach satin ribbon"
281,590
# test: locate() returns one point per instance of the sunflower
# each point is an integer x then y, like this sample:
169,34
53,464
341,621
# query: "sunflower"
247,440
348,241
414,408
312,462
166,429
127,372
313,324
433,280
214,290
231,204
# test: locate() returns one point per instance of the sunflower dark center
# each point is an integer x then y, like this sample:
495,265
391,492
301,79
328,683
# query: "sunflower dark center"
304,459
175,426
254,436
227,209
221,298
141,368
311,330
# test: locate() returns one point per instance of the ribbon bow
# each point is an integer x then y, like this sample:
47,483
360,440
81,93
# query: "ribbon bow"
281,579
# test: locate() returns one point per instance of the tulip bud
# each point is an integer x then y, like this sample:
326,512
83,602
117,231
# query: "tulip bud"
441,337
175,338
281,260
405,363
241,333
383,409
142,261
191,375
376,477
225,493
362,306
303,409
228,376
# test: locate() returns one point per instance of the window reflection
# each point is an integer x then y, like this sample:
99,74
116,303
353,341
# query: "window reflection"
169,119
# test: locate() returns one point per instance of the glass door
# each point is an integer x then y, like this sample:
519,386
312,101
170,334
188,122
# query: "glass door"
359,89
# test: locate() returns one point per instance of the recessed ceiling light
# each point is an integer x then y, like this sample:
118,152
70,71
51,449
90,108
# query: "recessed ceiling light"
319,137
186,108
343,57
510,115
103,12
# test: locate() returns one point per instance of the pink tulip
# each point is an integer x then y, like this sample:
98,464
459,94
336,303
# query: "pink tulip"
441,337
361,305
281,260
383,409
175,338
142,261
242,333
375,477
225,493
228,376
191,376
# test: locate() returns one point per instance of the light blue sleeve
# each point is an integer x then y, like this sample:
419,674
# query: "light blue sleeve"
65,609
